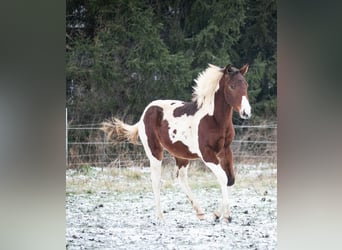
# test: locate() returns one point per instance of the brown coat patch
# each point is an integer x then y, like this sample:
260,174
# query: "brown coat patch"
188,108
215,134
181,163
152,120
157,133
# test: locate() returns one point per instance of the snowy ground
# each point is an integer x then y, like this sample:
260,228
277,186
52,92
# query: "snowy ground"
114,209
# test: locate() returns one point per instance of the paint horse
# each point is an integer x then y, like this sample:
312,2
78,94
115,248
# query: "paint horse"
202,128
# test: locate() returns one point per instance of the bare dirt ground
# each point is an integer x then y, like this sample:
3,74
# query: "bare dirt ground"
114,209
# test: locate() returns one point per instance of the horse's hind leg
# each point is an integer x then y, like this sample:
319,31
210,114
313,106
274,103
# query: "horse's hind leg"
155,165
156,183
183,180
154,152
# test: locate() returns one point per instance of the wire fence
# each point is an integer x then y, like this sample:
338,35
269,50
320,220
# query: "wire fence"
86,145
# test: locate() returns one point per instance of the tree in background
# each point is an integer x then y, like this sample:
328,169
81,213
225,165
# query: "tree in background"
122,54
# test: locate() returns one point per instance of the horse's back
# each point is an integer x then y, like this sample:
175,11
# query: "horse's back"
165,104
160,110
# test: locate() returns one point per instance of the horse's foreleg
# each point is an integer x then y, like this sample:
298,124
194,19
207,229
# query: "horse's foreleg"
226,161
183,180
221,176
155,177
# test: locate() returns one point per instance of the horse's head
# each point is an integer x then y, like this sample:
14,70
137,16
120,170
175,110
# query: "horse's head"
235,88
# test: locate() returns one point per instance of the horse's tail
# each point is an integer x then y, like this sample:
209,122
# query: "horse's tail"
120,130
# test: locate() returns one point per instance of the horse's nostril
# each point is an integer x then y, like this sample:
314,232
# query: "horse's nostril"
245,115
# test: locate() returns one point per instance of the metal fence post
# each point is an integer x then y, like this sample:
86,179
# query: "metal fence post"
103,150
66,136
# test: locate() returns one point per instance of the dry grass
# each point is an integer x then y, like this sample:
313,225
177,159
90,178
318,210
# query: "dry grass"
106,180
90,180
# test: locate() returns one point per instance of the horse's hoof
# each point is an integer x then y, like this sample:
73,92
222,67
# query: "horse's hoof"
216,217
201,216
227,220
231,182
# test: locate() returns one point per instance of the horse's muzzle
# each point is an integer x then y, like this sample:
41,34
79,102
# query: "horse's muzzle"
245,115
245,110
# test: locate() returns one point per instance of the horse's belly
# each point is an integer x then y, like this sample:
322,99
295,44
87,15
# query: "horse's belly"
180,150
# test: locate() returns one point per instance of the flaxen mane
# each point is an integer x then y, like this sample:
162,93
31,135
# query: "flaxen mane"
207,84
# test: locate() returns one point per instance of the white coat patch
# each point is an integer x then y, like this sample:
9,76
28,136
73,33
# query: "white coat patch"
183,128
245,111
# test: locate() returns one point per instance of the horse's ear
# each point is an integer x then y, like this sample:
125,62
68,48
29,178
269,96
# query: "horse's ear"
244,69
228,69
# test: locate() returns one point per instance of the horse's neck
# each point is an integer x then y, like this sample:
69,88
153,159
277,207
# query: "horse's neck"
223,113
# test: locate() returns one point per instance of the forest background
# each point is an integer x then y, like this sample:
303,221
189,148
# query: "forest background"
122,54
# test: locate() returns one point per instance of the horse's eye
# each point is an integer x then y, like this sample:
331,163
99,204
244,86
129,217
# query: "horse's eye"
232,86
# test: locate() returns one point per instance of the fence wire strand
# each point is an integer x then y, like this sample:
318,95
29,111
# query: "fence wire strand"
86,146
